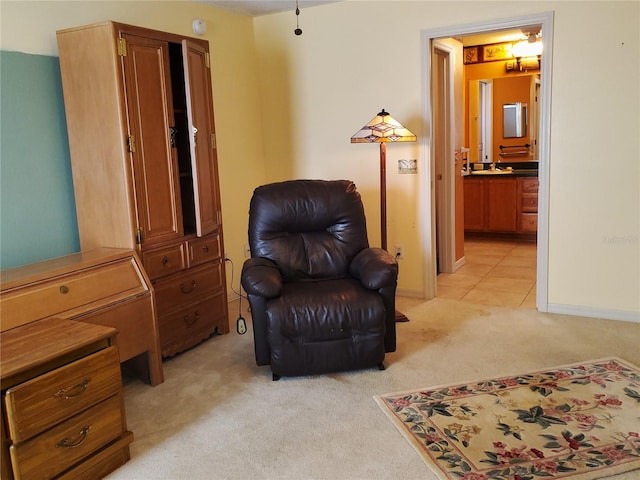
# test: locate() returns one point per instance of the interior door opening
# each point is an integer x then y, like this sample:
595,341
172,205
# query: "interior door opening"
441,208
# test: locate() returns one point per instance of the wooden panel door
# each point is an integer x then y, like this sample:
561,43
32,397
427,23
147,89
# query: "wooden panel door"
501,205
150,113
203,147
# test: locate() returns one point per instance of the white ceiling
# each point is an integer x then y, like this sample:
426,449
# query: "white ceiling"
255,8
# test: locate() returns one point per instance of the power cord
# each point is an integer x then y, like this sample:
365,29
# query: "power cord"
241,323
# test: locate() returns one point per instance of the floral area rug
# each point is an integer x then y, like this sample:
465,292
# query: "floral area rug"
573,422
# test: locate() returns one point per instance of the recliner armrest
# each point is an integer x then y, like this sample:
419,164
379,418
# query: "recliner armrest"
261,277
375,268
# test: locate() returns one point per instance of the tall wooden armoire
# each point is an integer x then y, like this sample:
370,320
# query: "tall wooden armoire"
143,153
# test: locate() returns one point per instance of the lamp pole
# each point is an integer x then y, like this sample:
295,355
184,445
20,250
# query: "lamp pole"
383,195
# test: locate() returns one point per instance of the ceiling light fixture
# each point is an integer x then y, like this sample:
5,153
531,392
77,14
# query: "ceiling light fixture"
298,30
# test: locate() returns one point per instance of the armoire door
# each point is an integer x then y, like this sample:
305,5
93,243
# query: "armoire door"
150,114
203,143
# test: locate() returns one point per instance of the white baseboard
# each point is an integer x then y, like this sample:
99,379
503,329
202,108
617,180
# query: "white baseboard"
459,263
581,311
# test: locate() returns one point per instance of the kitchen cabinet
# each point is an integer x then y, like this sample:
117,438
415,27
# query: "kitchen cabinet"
145,169
63,412
507,204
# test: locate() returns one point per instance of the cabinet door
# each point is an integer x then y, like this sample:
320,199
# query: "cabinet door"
474,204
150,114
501,205
203,148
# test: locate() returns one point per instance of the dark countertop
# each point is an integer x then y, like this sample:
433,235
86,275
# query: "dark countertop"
519,169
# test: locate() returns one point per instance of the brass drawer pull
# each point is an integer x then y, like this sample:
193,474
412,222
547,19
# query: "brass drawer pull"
165,260
76,440
74,391
193,287
64,289
205,249
190,322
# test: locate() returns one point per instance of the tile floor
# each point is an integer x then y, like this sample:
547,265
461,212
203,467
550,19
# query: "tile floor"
496,272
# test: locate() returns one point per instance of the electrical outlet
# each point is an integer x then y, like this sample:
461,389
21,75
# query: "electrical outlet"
247,251
399,251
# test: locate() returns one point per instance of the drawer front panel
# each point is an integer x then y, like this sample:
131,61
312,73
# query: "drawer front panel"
204,249
105,284
38,404
188,327
529,202
529,185
66,444
188,287
529,222
164,261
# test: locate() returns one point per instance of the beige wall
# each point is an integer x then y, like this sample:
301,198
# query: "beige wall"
358,56
30,27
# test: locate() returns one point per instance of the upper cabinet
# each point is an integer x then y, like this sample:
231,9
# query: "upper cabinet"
142,139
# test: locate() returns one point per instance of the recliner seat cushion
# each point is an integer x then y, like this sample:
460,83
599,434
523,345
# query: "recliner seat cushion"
310,319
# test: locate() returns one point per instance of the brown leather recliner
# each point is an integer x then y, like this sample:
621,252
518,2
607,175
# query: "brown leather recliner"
321,300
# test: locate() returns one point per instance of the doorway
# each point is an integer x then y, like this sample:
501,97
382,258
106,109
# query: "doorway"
429,201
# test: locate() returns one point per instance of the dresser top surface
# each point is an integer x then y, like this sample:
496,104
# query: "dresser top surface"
38,343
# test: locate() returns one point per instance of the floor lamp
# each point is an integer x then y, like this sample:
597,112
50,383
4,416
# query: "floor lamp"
382,129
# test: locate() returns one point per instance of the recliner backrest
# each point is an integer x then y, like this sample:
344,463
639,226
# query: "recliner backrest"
311,229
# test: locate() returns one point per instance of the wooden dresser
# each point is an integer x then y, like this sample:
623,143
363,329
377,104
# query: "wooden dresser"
62,404
105,286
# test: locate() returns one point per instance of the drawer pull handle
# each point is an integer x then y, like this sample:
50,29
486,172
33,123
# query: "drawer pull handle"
190,322
193,287
76,440
165,260
64,289
74,391
205,249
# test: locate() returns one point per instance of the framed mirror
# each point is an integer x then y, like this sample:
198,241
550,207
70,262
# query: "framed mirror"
514,118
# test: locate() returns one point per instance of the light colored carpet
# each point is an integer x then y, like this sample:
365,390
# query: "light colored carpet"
219,416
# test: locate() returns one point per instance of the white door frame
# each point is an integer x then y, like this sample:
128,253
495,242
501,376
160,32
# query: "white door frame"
446,243
426,195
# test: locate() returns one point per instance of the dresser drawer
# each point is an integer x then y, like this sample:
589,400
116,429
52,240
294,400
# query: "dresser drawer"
66,444
188,327
44,401
529,202
187,287
164,261
106,284
204,249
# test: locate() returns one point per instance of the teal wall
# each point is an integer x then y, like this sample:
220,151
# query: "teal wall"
37,207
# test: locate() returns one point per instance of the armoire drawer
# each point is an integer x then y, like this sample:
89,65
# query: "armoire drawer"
44,401
204,249
64,445
188,327
187,287
67,292
164,261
